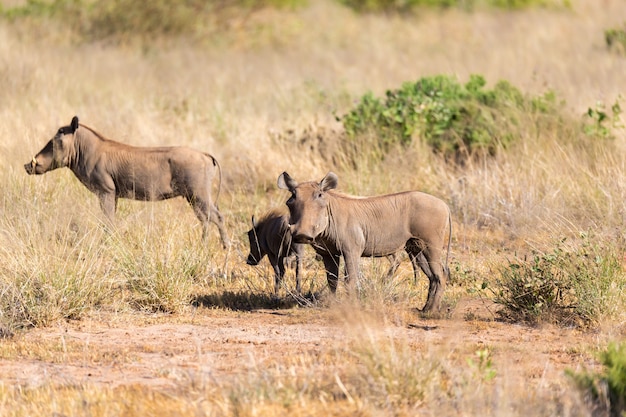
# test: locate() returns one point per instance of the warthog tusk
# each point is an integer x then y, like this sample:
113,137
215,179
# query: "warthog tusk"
34,162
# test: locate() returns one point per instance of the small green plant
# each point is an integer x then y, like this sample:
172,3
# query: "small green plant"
482,365
616,39
606,388
602,123
569,286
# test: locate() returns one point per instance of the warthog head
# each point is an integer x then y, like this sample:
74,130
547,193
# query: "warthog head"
56,153
308,206
255,255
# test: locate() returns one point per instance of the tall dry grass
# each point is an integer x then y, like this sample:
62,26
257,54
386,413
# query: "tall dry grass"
234,98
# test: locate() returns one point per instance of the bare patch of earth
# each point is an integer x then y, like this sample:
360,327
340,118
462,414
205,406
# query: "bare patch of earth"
162,351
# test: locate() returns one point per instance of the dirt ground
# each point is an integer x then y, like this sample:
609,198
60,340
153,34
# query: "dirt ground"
161,351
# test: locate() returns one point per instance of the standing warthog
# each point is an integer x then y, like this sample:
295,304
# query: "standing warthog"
113,170
271,236
353,227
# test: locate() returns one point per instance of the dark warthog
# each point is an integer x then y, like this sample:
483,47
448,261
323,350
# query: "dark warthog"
353,227
271,236
113,170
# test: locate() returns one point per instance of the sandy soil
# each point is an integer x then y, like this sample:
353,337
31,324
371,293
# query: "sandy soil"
162,351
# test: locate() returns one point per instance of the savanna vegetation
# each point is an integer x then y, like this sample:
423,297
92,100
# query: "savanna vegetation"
510,111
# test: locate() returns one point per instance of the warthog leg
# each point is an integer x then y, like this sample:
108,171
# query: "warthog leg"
331,263
430,262
108,204
218,220
299,249
279,270
207,212
394,263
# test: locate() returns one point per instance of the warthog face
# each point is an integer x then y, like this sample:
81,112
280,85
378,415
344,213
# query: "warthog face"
255,255
56,153
308,206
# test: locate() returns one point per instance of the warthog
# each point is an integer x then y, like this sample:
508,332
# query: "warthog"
271,236
353,227
113,170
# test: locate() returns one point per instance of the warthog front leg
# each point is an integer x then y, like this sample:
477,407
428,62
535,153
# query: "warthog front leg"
331,263
108,204
299,250
279,270
352,270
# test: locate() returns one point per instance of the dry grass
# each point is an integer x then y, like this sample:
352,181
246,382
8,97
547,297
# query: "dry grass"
233,99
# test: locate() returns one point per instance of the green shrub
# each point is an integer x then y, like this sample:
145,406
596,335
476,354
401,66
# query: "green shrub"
569,286
606,388
455,120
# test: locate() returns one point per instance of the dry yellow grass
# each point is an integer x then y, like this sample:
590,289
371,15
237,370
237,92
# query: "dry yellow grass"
233,99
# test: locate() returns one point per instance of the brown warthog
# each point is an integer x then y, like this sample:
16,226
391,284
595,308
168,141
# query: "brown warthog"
353,227
271,236
113,170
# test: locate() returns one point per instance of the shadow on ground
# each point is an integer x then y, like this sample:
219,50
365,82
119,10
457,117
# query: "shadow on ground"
246,301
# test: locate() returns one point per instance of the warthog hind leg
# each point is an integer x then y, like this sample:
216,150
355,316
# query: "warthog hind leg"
218,220
207,212
430,262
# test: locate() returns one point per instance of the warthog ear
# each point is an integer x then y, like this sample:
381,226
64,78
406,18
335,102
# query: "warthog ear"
285,182
329,182
74,124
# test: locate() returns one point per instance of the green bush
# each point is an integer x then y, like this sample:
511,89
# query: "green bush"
606,388
568,286
455,120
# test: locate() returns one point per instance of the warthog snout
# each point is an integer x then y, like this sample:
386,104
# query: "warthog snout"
300,235
30,167
302,238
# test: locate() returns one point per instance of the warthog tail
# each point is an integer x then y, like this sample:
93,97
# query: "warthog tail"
219,178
